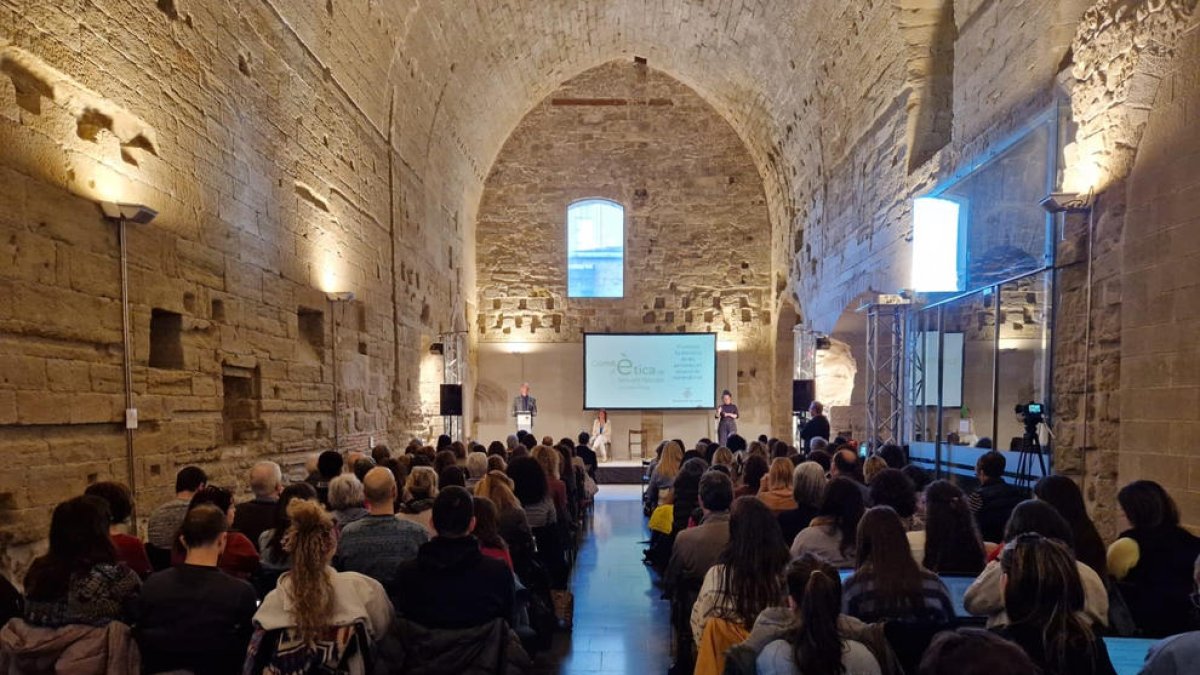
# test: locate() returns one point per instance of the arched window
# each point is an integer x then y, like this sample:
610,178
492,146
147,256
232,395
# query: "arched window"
595,249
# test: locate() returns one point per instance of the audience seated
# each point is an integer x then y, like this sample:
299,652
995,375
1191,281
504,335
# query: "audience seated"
194,617
808,489
329,466
420,491
274,559
685,496
497,487
832,535
887,584
920,478
893,488
12,605
378,543
381,453
777,493
663,474
164,522
317,618
697,549
871,468
985,596
361,466
894,455
816,642
487,531
549,460
531,489
239,557
950,542
1064,495
754,470
257,515
346,500
451,584
995,499
497,463
1044,599
477,466
973,651
748,576
1180,653
1152,561
129,548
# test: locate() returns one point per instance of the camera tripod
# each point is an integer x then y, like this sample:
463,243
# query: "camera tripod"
1031,447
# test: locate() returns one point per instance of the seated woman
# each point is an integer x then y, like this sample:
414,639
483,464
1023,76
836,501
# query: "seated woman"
662,475
749,575
816,643
346,500
79,580
951,542
777,493
130,549
1064,495
893,488
754,471
319,613
274,558
601,436
1153,561
887,584
497,487
420,490
487,531
985,596
833,532
808,489
1044,599
240,558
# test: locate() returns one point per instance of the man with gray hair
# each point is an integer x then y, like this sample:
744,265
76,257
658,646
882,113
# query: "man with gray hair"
254,517
817,424
377,544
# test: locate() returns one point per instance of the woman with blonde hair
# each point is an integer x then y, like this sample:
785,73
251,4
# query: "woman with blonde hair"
664,474
321,613
549,458
497,487
421,488
723,456
776,490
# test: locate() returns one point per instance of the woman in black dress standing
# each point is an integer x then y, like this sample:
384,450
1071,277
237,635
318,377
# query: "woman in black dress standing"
727,413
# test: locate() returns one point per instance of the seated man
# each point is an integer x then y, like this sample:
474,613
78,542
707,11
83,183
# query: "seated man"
256,516
329,466
194,617
378,543
696,549
452,584
995,500
166,519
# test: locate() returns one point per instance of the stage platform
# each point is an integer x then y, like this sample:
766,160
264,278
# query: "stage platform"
619,472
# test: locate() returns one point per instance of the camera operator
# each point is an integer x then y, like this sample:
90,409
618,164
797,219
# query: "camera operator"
995,499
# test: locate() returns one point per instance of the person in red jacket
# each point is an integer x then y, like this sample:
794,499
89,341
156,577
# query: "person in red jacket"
130,549
240,557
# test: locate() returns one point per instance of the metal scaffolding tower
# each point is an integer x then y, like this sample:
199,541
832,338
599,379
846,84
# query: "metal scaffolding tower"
886,327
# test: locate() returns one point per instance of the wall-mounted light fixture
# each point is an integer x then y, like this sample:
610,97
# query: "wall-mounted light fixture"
335,298
1067,202
122,214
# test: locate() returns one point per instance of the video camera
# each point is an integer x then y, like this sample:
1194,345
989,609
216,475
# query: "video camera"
1031,414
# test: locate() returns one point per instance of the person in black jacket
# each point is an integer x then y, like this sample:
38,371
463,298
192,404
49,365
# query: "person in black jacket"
994,501
817,426
195,617
451,584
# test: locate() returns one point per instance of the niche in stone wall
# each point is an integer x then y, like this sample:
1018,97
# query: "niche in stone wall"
241,413
311,323
166,339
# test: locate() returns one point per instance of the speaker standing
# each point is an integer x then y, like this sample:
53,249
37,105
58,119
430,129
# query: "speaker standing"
524,409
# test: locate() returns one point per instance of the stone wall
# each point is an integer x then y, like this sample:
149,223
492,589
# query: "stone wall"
697,237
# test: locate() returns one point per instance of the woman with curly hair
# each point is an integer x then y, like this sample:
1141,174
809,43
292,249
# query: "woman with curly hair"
317,608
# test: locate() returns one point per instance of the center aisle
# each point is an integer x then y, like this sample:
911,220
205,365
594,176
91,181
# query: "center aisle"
621,624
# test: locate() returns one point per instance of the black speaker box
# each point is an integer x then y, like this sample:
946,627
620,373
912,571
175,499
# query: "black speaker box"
804,392
451,399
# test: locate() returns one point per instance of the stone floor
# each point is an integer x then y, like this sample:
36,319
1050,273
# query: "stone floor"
621,624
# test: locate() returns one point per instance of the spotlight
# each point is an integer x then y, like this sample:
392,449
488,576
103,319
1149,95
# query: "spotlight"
340,296
823,343
132,213
437,348
1067,202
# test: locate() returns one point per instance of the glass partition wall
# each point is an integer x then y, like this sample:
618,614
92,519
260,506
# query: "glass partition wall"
975,355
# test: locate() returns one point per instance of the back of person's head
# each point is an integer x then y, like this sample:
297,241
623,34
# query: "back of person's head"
422,483
893,455
883,550
211,494
688,479
822,458
529,480
497,448
716,491
815,589
190,479
361,466
78,541
808,484
735,443
329,464
1033,516
443,459
443,442
843,503
513,441
984,443
451,475
120,502
1065,496
872,466
203,526
991,465
281,520
723,456
1147,505
459,449
548,458
892,488
487,523
496,463
311,542
817,443
952,542
584,438
754,560
345,492
265,479
780,474
670,461
477,464
453,512
975,651
845,461
1043,593
920,477
498,487
753,472
379,486
381,452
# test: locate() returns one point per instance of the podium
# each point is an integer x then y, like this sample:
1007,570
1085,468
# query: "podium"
525,422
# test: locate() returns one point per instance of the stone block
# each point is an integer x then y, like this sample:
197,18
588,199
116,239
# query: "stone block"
39,407
22,372
65,375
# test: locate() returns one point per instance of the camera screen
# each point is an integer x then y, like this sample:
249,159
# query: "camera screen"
1035,408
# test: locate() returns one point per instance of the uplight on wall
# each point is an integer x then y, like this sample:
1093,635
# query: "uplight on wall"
935,262
727,345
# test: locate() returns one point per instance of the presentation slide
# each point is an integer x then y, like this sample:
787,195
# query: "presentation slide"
952,374
652,371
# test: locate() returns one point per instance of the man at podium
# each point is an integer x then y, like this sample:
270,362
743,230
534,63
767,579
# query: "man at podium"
524,408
